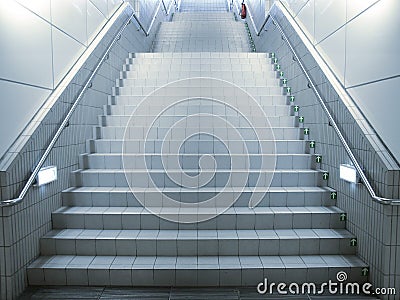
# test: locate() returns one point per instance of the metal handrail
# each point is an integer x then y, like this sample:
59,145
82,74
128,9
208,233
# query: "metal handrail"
165,8
32,178
258,32
140,24
154,18
332,121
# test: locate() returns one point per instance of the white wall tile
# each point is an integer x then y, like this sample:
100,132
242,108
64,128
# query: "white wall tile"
355,7
373,54
294,5
66,51
332,50
306,19
101,5
112,6
95,20
42,7
25,46
22,102
70,16
329,16
379,103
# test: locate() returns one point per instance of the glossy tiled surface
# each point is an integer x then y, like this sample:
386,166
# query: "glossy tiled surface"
190,32
295,233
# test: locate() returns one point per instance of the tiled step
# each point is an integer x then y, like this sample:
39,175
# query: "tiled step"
109,218
237,78
188,60
202,17
195,242
144,91
158,82
191,271
159,100
120,132
258,121
224,61
191,161
274,197
198,55
268,110
241,81
115,145
117,177
170,67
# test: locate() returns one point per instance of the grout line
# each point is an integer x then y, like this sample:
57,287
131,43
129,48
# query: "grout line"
372,82
27,84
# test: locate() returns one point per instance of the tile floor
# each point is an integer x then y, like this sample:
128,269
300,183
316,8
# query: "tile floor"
165,294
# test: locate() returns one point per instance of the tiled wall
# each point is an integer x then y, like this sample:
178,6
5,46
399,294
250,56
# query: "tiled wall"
375,225
39,35
357,40
21,226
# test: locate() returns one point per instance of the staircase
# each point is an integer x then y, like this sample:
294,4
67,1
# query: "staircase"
202,32
103,236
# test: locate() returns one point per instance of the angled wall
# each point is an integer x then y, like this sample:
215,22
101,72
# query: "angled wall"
39,35
375,225
22,226
358,40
